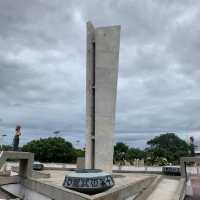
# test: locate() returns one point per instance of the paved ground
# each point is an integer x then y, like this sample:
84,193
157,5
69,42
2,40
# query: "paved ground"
196,187
5,195
165,190
141,169
57,178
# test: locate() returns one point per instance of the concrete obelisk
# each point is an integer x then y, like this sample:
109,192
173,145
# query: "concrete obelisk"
101,89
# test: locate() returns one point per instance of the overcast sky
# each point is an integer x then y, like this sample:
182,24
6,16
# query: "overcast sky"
42,67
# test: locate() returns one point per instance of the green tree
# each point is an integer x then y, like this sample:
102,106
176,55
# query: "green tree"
120,152
167,146
6,148
80,153
135,153
52,149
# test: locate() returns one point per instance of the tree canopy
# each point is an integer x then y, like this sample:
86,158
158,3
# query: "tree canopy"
168,146
122,152
53,149
164,149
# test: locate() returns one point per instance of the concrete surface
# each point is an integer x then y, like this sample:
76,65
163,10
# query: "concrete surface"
25,161
184,161
5,195
126,185
24,193
57,178
147,191
101,88
80,163
35,173
195,180
126,168
9,179
165,190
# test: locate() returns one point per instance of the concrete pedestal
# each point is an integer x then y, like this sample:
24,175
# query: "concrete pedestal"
89,181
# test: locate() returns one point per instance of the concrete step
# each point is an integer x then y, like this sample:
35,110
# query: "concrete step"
147,191
165,190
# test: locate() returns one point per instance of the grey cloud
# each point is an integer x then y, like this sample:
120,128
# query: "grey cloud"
42,66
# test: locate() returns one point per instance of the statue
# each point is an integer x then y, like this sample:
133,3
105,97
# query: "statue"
16,138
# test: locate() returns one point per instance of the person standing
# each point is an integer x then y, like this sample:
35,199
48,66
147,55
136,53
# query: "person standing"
16,138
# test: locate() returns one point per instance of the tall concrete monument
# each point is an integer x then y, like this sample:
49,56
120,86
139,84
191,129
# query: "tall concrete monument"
101,89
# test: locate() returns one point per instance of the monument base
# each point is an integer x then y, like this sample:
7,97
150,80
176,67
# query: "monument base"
89,181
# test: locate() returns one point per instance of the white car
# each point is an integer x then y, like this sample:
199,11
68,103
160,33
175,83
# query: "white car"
38,165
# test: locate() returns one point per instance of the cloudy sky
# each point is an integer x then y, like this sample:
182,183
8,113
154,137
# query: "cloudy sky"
42,67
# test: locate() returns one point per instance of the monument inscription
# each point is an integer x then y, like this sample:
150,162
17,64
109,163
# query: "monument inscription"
89,181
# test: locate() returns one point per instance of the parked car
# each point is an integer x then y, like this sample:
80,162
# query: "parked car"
38,165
